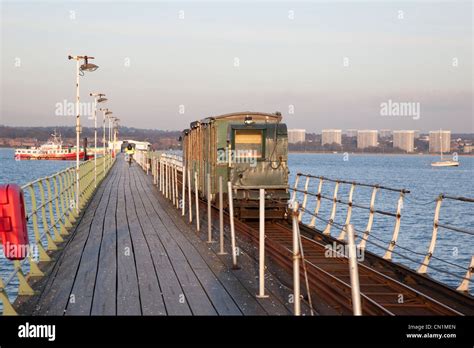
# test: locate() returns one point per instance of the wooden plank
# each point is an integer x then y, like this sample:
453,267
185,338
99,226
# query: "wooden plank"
276,304
217,294
56,293
104,300
128,299
83,289
193,292
222,287
172,292
150,293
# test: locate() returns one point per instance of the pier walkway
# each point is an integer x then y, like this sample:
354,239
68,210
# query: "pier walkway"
131,255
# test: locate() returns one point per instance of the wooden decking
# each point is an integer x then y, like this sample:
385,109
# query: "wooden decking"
132,254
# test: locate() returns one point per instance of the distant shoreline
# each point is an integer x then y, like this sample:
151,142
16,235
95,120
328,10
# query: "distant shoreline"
343,152
377,154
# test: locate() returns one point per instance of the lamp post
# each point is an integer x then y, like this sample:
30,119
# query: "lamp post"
116,125
112,120
105,113
98,98
80,69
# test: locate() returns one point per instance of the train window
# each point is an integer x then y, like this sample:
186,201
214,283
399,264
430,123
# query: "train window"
248,143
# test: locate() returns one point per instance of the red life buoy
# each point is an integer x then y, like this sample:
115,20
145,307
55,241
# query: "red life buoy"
13,225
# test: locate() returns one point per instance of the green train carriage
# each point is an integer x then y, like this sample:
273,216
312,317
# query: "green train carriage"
249,149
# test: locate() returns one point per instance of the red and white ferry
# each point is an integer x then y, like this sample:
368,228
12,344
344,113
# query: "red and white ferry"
52,150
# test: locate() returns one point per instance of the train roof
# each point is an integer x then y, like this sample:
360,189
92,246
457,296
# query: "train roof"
276,116
236,115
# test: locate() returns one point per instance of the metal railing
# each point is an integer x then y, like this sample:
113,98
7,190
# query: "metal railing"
350,206
388,248
51,213
464,286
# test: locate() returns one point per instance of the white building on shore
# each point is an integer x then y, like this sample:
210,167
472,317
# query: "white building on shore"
296,135
331,136
404,139
367,138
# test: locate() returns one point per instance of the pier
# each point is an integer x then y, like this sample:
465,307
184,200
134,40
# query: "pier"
131,254
142,246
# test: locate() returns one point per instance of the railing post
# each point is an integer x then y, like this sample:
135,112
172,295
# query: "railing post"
57,234
464,286
295,186
368,228
396,229
296,260
232,228
209,213
196,197
64,200
353,271
305,198
167,179
170,181
261,246
183,193
43,255
221,218
58,205
158,172
342,235
162,173
327,230
5,300
173,190
318,203
424,266
72,199
51,244
176,185
190,206
24,289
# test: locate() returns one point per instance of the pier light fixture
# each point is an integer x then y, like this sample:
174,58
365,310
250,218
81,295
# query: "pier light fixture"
80,69
89,67
98,98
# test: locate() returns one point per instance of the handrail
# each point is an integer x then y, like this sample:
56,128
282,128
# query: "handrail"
51,212
353,182
425,264
375,188
464,286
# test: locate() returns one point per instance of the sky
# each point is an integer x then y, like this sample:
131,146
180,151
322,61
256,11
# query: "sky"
165,64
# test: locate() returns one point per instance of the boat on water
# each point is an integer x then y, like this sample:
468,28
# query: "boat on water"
53,149
443,162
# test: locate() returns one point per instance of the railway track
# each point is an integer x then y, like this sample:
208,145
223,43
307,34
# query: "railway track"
386,288
381,294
